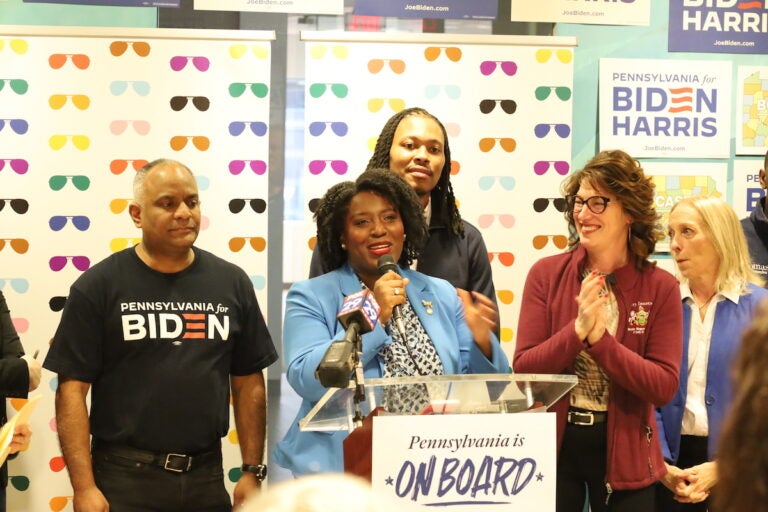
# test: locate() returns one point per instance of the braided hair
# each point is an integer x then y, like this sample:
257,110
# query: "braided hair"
441,197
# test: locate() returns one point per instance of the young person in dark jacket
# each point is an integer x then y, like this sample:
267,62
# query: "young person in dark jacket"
756,229
606,313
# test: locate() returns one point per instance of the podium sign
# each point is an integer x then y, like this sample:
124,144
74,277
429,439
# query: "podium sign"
477,462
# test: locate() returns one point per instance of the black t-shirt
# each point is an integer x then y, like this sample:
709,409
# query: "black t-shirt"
158,348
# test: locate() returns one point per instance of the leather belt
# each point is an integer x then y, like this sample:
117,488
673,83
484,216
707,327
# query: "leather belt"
174,462
586,418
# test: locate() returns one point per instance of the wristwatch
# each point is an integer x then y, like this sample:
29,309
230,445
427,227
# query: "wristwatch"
260,470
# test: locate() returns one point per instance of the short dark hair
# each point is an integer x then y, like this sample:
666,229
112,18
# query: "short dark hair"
442,198
333,207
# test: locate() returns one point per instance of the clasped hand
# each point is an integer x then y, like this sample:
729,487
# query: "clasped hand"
591,317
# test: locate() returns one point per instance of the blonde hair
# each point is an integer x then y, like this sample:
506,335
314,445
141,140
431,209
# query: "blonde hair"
724,230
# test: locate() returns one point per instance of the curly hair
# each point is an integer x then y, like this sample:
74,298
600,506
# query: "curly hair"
621,175
333,208
442,198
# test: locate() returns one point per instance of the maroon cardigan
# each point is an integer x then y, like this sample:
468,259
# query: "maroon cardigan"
642,360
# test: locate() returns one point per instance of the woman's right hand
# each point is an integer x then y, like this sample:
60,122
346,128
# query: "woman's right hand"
389,292
590,320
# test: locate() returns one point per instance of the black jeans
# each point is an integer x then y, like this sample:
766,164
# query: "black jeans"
131,486
581,474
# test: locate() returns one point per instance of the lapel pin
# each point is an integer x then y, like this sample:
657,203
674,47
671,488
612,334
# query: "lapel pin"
427,304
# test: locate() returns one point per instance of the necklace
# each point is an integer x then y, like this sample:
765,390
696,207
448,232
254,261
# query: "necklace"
703,306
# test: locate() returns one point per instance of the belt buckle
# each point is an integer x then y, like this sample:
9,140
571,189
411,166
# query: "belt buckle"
168,459
575,417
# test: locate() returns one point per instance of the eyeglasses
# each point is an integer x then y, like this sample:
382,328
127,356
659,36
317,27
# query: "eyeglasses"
119,204
57,60
257,166
561,167
238,50
259,89
118,166
81,222
452,91
20,206
237,243
596,204
339,166
508,106
544,54
57,303
81,263
80,101
505,258
507,144
141,48
338,90
19,245
540,241
57,503
140,87
178,103
17,165
542,203
508,67
19,284
180,62
431,53
81,142
257,205
317,128
505,296
178,142
118,244
17,85
19,126
319,51
543,92
18,46
376,104
396,65
541,130
505,219
486,182
118,126
258,128
58,181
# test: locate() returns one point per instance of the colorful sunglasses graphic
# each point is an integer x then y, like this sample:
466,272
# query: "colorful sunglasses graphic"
488,105
178,103
119,204
19,126
505,219
337,89
19,245
179,142
396,65
508,67
544,54
542,203
18,284
57,263
395,104
118,166
18,46
453,53
257,205
238,166
259,282
237,243
259,89
237,51
452,129
338,166
455,167
540,241
486,182
58,181
80,60
506,143
313,204
80,222
316,128
118,244
140,48
505,296
259,128
200,63
57,303
545,91
17,85
80,101
58,141
320,51
433,90
20,206
541,130
119,87
505,258
59,503
119,126
542,166
17,165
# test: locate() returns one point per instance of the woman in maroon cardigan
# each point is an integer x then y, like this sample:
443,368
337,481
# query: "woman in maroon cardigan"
604,312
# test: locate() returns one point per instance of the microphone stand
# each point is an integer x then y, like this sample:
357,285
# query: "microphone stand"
358,378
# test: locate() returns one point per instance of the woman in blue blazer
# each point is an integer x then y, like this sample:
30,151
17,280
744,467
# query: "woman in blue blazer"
720,293
447,331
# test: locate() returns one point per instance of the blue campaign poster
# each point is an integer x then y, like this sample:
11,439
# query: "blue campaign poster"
116,3
443,9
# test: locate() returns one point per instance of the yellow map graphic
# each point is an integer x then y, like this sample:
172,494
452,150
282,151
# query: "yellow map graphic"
755,111
670,189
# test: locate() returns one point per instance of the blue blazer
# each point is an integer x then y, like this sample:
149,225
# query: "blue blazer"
730,320
310,326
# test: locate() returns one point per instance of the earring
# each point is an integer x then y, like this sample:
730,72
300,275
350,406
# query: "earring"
343,246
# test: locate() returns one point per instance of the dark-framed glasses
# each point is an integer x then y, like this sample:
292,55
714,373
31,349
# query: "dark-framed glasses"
596,204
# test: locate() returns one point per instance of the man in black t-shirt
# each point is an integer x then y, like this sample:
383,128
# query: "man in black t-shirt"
158,333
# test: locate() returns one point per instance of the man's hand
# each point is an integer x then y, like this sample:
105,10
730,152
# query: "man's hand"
35,371
90,500
245,487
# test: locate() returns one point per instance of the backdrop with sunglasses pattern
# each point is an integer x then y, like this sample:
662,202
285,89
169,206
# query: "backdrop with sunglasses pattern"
506,103
83,108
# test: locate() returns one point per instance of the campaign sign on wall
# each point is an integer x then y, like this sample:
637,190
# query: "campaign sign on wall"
752,114
123,3
746,185
626,12
290,6
718,26
440,9
467,462
666,108
674,181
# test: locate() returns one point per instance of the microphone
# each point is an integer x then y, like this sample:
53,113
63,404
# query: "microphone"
358,315
385,264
